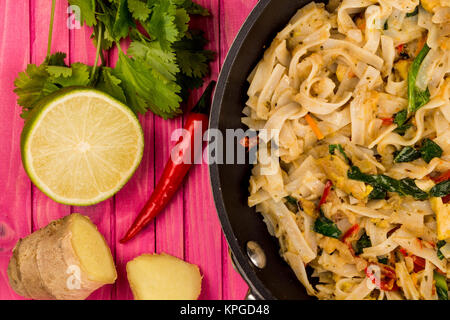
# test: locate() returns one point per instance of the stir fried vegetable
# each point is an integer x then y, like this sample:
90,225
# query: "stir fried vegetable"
363,242
404,187
416,97
441,286
325,226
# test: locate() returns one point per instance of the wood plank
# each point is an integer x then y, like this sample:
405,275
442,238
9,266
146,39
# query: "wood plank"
231,21
83,50
170,223
44,208
130,200
15,189
203,240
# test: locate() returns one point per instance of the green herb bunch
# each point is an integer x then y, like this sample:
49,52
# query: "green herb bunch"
165,58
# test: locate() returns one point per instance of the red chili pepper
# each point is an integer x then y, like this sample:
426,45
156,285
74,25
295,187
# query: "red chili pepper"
387,121
249,143
443,177
419,263
326,193
353,229
403,252
388,277
446,199
177,167
400,48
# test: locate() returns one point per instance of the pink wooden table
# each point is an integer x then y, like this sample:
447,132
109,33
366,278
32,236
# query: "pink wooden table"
189,228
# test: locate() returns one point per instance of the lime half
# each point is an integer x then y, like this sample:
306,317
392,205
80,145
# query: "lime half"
80,146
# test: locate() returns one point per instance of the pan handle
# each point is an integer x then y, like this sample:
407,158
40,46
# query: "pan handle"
250,296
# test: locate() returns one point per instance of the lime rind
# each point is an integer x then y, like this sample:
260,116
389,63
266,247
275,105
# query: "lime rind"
37,115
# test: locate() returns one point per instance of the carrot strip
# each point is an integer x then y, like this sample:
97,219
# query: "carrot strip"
420,45
314,127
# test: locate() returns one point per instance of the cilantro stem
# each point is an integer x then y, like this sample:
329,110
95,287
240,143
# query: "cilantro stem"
50,32
99,48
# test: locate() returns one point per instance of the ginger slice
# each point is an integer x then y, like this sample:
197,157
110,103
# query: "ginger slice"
67,259
163,277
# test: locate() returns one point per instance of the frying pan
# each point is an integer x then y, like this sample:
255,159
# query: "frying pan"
229,182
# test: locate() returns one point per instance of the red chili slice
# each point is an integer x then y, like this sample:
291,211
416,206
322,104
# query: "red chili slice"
446,199
326,193
388,277
443,177
387,121
419,263
353,229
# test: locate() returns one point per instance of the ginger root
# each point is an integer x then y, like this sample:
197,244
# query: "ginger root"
163,277
66,260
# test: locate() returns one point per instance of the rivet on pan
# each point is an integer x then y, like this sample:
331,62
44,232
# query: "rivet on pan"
256,254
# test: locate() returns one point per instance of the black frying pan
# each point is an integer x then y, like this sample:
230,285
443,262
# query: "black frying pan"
240,223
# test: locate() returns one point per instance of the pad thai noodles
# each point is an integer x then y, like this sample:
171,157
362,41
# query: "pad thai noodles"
359,91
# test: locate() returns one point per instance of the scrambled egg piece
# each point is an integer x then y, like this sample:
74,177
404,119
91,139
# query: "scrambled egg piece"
308,207
442,217
429,5
336,170
402,67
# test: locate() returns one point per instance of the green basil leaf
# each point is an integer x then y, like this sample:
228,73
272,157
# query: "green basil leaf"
430,150
408,187
332,148
401,117
383,260
363,242
325,226
378,193
414,13
416,97
292,204
404,187
439,245
441,189
407,154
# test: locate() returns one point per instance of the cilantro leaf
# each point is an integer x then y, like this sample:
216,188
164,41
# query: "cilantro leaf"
79,76
145,90
162,25
87,10
139,10
193,8
182,22
59,71
162,62
192,59
123,21
110,84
